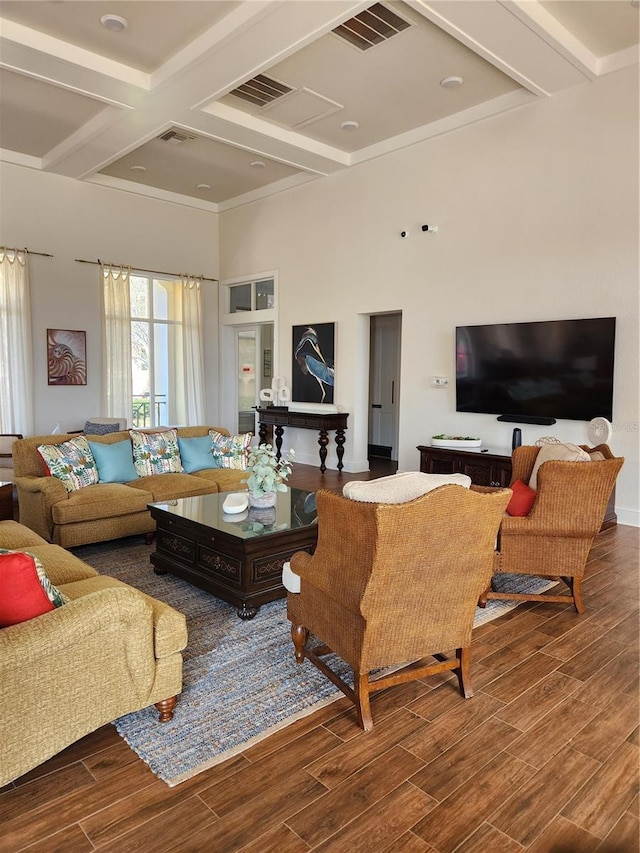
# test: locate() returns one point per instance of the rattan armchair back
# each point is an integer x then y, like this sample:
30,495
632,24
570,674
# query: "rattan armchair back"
391,584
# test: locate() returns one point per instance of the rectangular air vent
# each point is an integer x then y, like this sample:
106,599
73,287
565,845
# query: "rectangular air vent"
175,137
373,26
261,90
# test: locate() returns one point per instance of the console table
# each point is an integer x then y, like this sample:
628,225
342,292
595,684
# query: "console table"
280,418
490,467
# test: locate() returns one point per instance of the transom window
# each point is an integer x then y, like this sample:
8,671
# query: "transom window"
256,295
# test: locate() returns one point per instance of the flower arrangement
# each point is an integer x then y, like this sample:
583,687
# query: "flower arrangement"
267,473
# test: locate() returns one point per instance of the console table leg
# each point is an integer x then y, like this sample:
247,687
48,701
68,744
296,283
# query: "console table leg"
262,432
279,431
340,440
323,441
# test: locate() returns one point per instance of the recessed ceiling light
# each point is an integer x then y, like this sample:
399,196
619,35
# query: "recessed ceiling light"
203,186
114,23
451,82
258,164
137,168
350,125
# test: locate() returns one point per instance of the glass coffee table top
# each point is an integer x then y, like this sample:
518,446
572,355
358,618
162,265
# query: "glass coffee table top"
294,509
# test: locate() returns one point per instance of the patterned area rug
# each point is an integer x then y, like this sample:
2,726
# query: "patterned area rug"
240,680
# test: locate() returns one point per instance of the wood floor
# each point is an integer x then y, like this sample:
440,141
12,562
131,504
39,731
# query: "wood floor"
543,758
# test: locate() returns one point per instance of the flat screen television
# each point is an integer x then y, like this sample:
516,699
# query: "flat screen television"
537,372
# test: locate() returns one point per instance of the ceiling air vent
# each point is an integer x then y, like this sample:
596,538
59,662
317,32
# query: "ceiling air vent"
176,137
261,90
373,26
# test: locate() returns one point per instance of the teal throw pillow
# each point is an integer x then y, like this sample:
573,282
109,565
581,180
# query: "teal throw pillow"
114,461
196,454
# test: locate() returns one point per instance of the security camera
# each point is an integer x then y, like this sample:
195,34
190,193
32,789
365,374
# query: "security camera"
404,234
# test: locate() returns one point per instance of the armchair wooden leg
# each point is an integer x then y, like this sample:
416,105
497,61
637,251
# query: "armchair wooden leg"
166,707
482,601
575,585
299,635
363,706
464,671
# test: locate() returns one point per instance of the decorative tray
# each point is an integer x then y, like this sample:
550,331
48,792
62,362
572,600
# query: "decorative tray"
455,441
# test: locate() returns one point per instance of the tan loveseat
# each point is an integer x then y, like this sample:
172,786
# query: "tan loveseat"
104,511
110,651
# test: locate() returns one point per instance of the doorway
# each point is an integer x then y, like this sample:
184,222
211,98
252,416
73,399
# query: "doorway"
385,332
254,361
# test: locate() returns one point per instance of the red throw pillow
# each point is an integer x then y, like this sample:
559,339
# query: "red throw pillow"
522,499
22,596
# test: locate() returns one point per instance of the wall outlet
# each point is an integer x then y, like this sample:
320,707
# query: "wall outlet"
439,381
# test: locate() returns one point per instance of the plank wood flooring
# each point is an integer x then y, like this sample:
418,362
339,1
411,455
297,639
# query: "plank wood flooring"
544,757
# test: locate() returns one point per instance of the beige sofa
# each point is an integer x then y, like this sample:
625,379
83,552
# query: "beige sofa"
110,651
104,511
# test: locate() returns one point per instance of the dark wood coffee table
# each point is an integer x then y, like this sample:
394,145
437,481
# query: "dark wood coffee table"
237,558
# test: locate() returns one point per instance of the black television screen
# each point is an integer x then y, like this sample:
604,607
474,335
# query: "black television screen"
551,369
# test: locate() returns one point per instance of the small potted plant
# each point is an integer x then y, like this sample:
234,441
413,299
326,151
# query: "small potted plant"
267,474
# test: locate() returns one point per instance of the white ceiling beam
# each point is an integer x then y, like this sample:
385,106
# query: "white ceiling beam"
505,36
44,57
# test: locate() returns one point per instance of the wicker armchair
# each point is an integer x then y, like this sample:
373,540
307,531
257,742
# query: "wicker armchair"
390,584
555,538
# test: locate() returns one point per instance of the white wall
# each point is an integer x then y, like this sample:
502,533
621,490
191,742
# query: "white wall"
537,212
70,219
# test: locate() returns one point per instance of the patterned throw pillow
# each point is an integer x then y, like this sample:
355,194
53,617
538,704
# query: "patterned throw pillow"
71,462
156,452
231,451
25,588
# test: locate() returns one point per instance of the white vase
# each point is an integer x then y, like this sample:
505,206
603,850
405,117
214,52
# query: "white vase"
261,501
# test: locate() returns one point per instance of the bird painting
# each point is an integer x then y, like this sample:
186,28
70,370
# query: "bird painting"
313,363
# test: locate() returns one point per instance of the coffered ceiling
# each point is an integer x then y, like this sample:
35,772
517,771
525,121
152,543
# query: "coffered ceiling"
213,103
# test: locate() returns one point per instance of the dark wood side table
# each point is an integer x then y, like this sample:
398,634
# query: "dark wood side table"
280,418
491,467
6,501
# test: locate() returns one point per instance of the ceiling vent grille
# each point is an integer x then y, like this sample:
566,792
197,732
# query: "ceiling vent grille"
176,137
373,26
261,90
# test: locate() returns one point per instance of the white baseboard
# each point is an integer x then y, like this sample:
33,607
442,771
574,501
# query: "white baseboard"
349,465
628,516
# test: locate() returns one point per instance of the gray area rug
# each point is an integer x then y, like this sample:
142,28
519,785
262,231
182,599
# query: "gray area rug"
240,680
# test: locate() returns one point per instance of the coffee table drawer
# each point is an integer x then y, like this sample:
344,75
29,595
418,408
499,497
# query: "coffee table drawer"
222,566
177,547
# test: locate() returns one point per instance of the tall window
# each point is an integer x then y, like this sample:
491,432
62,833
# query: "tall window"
166,363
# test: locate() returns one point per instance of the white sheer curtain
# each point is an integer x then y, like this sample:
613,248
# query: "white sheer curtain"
16,368
117,396
192,350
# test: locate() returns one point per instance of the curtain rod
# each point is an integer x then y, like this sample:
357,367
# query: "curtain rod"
28,251
140,269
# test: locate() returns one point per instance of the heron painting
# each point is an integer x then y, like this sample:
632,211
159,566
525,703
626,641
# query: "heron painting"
313,363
